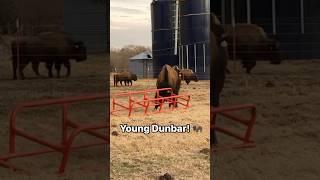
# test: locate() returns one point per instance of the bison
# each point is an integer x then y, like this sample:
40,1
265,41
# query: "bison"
188,75
53,48
169,77
252,44
125,77
218,66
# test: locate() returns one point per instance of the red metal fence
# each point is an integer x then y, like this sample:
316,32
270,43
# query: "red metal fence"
67,136
246,141
146,99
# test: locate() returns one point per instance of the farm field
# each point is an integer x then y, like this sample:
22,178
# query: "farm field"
286,132
147,156
86,77
287,127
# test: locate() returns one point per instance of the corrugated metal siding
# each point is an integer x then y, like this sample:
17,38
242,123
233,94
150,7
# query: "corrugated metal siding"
140,67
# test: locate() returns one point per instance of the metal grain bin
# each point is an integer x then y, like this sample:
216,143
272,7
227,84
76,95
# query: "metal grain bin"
162,14
194,35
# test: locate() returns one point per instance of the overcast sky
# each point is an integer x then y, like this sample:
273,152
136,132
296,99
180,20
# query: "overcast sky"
130,23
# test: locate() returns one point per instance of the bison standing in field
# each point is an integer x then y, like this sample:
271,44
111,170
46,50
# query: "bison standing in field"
169,77
52,48
218,66
188,75
252,44
126,77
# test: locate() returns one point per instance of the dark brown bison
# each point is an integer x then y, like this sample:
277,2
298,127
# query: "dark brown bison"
252,44
126,77
169,77
53,48
218,65
219,59
188,75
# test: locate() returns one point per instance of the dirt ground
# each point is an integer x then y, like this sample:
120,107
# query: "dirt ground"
87,77
287,128
147,156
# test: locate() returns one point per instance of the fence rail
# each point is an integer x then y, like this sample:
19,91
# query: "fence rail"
67,137
145,101
246,141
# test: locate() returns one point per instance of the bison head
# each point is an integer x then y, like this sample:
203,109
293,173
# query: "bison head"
274,55
194,76
79,51
134,77
188,75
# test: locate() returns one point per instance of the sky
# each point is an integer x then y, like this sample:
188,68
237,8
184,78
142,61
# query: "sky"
130,23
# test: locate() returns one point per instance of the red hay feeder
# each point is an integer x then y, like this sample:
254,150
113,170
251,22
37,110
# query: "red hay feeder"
129,101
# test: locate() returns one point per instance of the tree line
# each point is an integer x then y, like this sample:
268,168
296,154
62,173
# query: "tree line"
119,57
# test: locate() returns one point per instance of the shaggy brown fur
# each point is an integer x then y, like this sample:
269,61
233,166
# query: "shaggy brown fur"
127,77
188,75
252,44
49,47
169,77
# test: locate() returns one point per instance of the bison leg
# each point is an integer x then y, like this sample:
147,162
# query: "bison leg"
117,82
67,64
157,105
57,65
130,82
249,65
22,65
35,67
187,81
49,67
14,68
174,103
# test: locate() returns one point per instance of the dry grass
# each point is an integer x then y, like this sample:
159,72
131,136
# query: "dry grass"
286,132
140,156
87,77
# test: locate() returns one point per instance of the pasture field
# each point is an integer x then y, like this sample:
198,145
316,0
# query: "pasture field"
286,132
147,156
86,77
288,122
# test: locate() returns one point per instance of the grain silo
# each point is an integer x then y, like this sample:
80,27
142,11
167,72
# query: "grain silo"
162,14
180,35
194,36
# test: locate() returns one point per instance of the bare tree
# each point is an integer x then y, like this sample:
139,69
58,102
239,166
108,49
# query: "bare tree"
120,57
